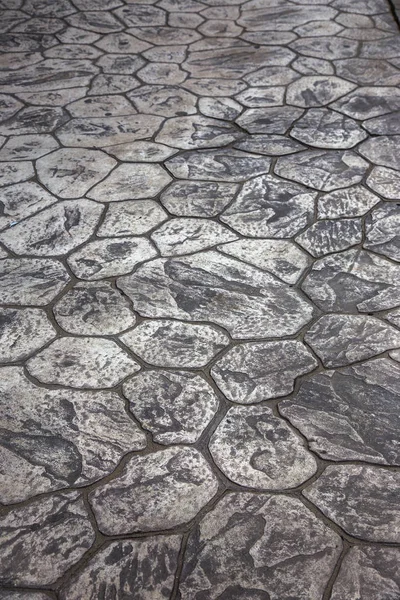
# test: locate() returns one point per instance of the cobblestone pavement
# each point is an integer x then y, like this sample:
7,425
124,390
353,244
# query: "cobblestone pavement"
200,291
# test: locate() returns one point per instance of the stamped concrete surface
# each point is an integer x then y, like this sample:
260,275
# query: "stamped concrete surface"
199,300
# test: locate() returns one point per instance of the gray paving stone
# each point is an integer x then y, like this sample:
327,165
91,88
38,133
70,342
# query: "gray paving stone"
275,120
269,144
350,202
382,231
131,182
22,332
220,108
98,106
28,147
368,72
13,595
121,43
198,198
53,97
369,102
141,152
175,406
308,65
193,132
187,235
9,106
22,200
325,47
168,73
132,217
393,317
325,237
386,125
174,54
385,182
155,492
95,20
324,128
110,84
214,87
280,18
256,97
141,14
165,101
317,91
15,172
165,36
382,150
26,281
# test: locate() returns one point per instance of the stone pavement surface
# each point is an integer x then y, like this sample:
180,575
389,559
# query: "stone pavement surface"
200,300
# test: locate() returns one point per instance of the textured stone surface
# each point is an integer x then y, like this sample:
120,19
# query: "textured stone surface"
324,128
131,218
31,281
382,231
350,202
22,331
198,198
325,237
184,236
131,182
385,182
22,200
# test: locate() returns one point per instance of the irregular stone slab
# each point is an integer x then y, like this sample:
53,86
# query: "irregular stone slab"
324,128
366,72
317,91
154,492
141,15
325,46
64,444
371,570
214,87
317,28
167,73
22,200
112,84
10,595
175,406
342,339
73,51
262,97
365,7
75,35
268,76
50,535
385,182
360,499
369,102
100,106
275,120
383,48
269,207
94,309
28,147
131,218
184,236
9,106
26,281
141,152
382,231
323,170
167,101
14,172
280,257
197,132
198,198
269,144
110,257
218,165
393,317
54,231
383,150
165,36
82,362
173,54
95,20
121,43
307,65
71,172
53,97
22,332
123,568
257,371
351,413
327,236
256,449
350,202
131,182
24,42
220,108
212,287
352,281
282,18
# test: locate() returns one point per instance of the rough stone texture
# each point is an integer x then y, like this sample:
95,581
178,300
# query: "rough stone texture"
350,202
184,236
382,231
23,200
198,198
131,182
131,218
22,332
325,237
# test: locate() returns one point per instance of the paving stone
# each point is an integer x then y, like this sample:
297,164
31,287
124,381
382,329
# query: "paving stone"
269,207
317,91
110,257
34,120
210,286
82,362
324,128
385,125
75,35
112,84
11,61
328,236
53,97
393,317
131,182
174,54
23,200
382,150
364,7
317,28
271,76
167,101
325,47
308,65
361,499
197,132
34,531
214,87
141,152
73,51
99,106
220,108
94,309
368,72
350,202
12,595
369,102
100,4
385,182
260,96
175,406
168,73
14,172
382,231
269,120
31,281
141,14
95,20
121,43
257,371
133,217
198,198
351,413
28,147
155,492
165,36
187,235
23,42
122,567
383,48
22,332
269,144
54,231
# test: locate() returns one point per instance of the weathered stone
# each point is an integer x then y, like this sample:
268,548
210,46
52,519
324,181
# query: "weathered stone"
101,106
327,236
197,198
382,150
141,15
325,128
141,152
307,65
22,200
197,132
50,74
170,54
269,120
220,108
26,281
255,97
268,76
385,182
165,36
382,231
106,84
282,18
133,217
13,595
166,101
53,97
317,91
184,236
368,72
15,172
162,73
131,182
75,35
9,106
73,52
22,332
269,144
95,20
121,43
325,46
385,125
214,87
350,202
28,147
369,102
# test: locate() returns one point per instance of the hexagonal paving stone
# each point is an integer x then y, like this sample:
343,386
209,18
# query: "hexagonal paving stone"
323,128
14,172
317,91
34,120
95,20
325,46
22,200
175,344
131,182
369,102
385,125
98,106
197,132
282,18
165,36
382,231
121,43
328,236
141,152
184,236
351,202
385,182
22,331
383,150
197,198
64,444
175,406
82,362
220,108
166,101
154,492
275,120
133,15
131,218
28,147
26,281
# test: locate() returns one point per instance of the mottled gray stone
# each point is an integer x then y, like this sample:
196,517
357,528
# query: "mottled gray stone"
269,207
9,106
197,198
324,128
54,231
220,108
325,47
131,182
368,72
383,150
351,413
141,152
34,120
154,492
317,90
259,547
308,65
101,106
175,406
364,7
107,84
49,535
210,286
269,120
385,182
382,231
255,97
141,14
393,317
165,36
122,569
369,102
14,172
385,125
323,170
22,332
55,438
214,87
53,97
75,35
325,237
168,54
318,28
27,281
95,20
162,73
22,200
197,132
82,362
73,52
271,76
165,101
184,236
94,309
360,499
350,202
269,144
28,147
282,18
174,344
13,595
121,43
132,217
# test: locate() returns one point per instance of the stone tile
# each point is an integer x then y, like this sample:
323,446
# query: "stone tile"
121,43
12,595
316,28
360,499
262,97
220,108
50,535
269,120
99,106
141,14
22,332
198,198
132,217
9,106
131,182
271,76
369,102
14,172
211,86
53,97
386,125
393,317
165,36
82,362
141,152
174,54
100,4
73,51
351,413
34,120
168,73
189,133
269,144
257,371
26,281
28,147
187,235
350,202
155,492
175,406
22,200
210,286
317,90
94,309
24,42
366,72
75,35
282,18
325,236
95,20
324,128
308,65
385,182
382,231
122,567
13,61
166,101
113,84
325,47
382,150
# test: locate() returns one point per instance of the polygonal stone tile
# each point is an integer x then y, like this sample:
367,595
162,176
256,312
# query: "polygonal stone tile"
94,309
282,18
82,362
382,231
323,170
316,28
34,120
9,106
368,72
162,73
12,595
141,152
25,42
123,568
22,332
184,236
168,54
75,35
220,28
327,236
95,20
28,147
325,46
393,317
165,36
280,257
360,499
342,339
212,287
385,125
110,257
364,7
28,281
317,91
325,128
64,444
154,492
54,231
268,76
71,172
108,84
307,65
257,371
53,97
383,150
269,207
351,413
141,14
214,87
220,108
197,132
369,102
350,202
121,43
255,97
131,182
50,535
254,448
101,106
269,120
385,182
131,218
167,101
175,344
269,144
175,406
198,198
73,52
14,172
383,48
23,200
100,4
